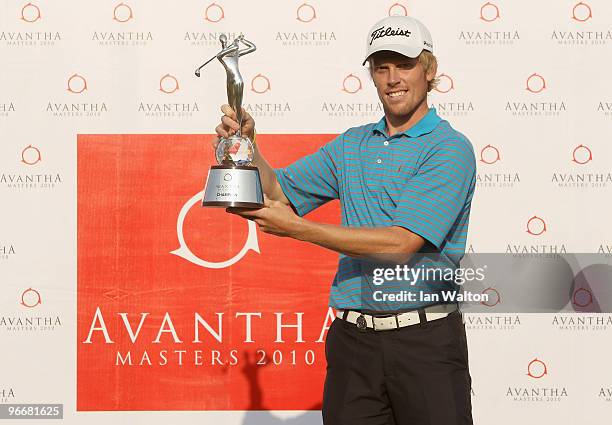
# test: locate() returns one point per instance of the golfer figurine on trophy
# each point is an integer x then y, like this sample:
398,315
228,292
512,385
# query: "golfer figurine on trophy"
234,182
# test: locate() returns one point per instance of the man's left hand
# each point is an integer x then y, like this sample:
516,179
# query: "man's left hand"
275,217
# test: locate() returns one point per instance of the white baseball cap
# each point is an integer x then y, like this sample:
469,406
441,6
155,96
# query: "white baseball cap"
401,34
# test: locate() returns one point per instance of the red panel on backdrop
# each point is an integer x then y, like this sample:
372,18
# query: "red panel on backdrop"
163,328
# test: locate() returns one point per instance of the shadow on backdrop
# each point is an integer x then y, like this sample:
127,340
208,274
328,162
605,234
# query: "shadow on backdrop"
257,413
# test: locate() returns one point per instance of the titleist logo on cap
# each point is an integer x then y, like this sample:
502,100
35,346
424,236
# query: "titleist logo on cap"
388,31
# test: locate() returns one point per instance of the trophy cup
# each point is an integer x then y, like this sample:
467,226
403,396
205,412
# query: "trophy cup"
234,182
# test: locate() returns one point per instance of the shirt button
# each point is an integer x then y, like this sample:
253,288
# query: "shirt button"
386,143
379,161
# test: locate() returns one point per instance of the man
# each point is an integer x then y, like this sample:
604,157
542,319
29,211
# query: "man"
405,186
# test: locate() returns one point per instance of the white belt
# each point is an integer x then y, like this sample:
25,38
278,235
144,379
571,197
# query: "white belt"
396,321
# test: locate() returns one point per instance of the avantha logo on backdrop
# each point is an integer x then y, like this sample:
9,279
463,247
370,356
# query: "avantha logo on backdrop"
7,251
445,83
30,155
77,101
579,31
582,297
491,321
537,229
7,395
447,101
489,12
6,108
306,13
305,29
260,84
582,12
582,154
30,298
212,14
168,84
172,105
273,104
536,226
537,100
397,9
183,251
602,107
489,29
351,85
29,173
37,319
492,173
490,154
569,177
535,83
212,320
77,84
536,369
493,297
590,297
538,373
29,15
605,394
122,13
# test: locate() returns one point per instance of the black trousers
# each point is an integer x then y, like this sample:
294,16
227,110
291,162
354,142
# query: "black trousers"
416,375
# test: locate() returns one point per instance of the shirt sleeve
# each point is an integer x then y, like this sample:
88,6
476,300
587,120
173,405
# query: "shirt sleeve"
312,180
433,199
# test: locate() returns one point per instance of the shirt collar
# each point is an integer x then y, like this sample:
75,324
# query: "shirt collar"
424,126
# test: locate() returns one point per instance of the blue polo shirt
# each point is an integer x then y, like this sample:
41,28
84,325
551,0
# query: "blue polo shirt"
422,179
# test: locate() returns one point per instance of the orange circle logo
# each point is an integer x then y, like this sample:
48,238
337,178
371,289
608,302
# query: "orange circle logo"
398,9
493,297
30,298
581,12
536,369
489,12
351,84
30,155
214,13
77,84
30,13
535,83
582,154
582,297
490,154
306,13
445,83
536,226
260,84
122,13
168,84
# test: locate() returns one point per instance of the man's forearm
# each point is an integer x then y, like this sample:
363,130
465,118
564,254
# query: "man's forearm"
271,186
386,243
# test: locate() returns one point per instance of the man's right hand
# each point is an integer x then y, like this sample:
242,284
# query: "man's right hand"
229,125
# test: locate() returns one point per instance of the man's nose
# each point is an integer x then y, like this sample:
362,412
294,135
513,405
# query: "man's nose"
393,76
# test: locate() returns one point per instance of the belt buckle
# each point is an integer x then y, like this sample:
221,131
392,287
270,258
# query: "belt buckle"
361,323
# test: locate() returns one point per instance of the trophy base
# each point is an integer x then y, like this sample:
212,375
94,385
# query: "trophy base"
233,186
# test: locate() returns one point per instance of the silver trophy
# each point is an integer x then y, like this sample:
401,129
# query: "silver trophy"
234,182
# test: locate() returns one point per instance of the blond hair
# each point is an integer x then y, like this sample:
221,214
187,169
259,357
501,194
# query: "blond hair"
428,61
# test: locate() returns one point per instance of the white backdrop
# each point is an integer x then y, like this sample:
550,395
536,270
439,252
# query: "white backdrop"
526,81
